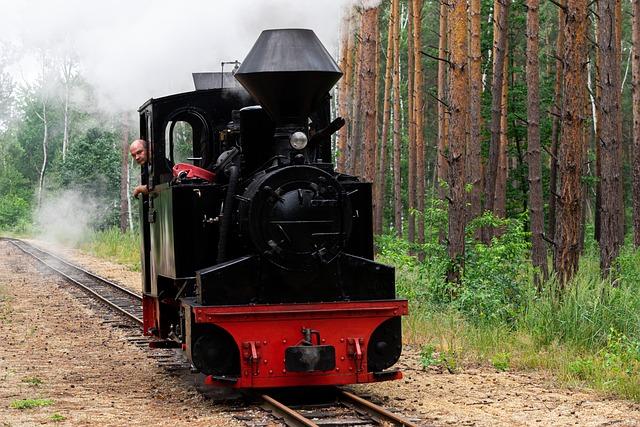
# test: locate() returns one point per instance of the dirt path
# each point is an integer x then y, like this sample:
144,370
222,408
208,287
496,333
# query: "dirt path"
52,348
124,388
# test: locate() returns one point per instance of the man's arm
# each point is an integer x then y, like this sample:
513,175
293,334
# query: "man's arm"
140,189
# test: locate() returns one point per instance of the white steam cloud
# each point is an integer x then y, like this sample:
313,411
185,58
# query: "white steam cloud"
134,50
67,218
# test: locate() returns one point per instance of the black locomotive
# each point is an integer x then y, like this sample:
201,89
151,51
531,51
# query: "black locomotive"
257,254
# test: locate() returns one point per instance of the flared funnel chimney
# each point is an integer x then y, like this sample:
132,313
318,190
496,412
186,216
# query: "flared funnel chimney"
288,71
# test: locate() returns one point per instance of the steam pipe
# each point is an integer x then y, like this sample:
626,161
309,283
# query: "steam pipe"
234,174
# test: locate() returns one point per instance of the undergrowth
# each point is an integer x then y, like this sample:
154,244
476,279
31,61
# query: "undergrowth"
114,245
587,334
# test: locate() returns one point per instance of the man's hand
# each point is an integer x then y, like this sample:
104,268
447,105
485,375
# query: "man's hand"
140,189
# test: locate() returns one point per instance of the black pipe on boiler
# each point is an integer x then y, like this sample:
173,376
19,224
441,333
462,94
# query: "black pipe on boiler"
234,174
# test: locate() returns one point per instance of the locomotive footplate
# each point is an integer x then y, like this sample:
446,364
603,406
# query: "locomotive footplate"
286,345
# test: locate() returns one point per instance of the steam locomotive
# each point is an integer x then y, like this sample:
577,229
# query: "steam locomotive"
257,255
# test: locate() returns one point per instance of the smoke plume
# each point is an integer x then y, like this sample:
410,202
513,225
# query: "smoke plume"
132,51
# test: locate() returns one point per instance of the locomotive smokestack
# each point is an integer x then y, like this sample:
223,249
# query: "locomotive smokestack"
288,71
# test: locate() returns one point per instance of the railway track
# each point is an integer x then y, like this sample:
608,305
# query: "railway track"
336,407
113,295
331,407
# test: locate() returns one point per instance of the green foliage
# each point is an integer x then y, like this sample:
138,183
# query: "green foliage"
56,418
582,368
113,244
15,212
30,403
32,381
429,356
496,278
94,169
500,361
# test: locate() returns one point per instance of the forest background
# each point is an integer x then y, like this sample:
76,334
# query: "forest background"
502,140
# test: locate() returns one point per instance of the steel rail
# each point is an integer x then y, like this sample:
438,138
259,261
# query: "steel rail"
291,416
87,272
88,289
376,410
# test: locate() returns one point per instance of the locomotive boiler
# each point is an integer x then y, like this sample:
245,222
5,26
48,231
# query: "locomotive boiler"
257,254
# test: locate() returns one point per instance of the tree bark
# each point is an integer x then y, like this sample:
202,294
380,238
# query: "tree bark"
500,16
611,214
538,249
344,105
124,176
386,117
474,158
369,41
45,141
635,82
459,110
397,141
355,137
411,176
570,149
500,191
419,117
442,168
555,126
45,130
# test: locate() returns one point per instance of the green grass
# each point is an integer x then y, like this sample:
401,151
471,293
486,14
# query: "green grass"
32,381
587,335
30,403
56,418
116,246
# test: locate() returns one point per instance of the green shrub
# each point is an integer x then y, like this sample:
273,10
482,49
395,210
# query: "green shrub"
30,403
500,361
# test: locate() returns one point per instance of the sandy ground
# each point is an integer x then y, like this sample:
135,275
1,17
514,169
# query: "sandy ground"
92,375
126,389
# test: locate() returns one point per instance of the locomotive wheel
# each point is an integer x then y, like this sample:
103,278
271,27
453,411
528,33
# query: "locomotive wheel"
215,352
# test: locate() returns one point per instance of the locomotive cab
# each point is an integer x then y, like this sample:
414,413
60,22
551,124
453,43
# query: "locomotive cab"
260,263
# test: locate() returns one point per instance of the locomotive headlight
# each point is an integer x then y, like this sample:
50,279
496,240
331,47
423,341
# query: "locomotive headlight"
298,140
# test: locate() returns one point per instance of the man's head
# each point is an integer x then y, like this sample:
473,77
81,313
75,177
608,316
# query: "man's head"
138,150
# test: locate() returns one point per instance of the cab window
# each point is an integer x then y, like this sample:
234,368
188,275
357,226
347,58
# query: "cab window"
179,142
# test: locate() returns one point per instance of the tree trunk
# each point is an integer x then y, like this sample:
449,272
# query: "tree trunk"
458,109
419,117
570,149
124,176
354,141
344,105
474,158
397,141
619,153
45,141
442,168
610,207
369,41
65,123
555,126
68,78
386,116
635,82
538,250
500,16
500,191
411,176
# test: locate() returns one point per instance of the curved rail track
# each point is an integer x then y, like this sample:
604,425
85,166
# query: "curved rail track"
343,408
